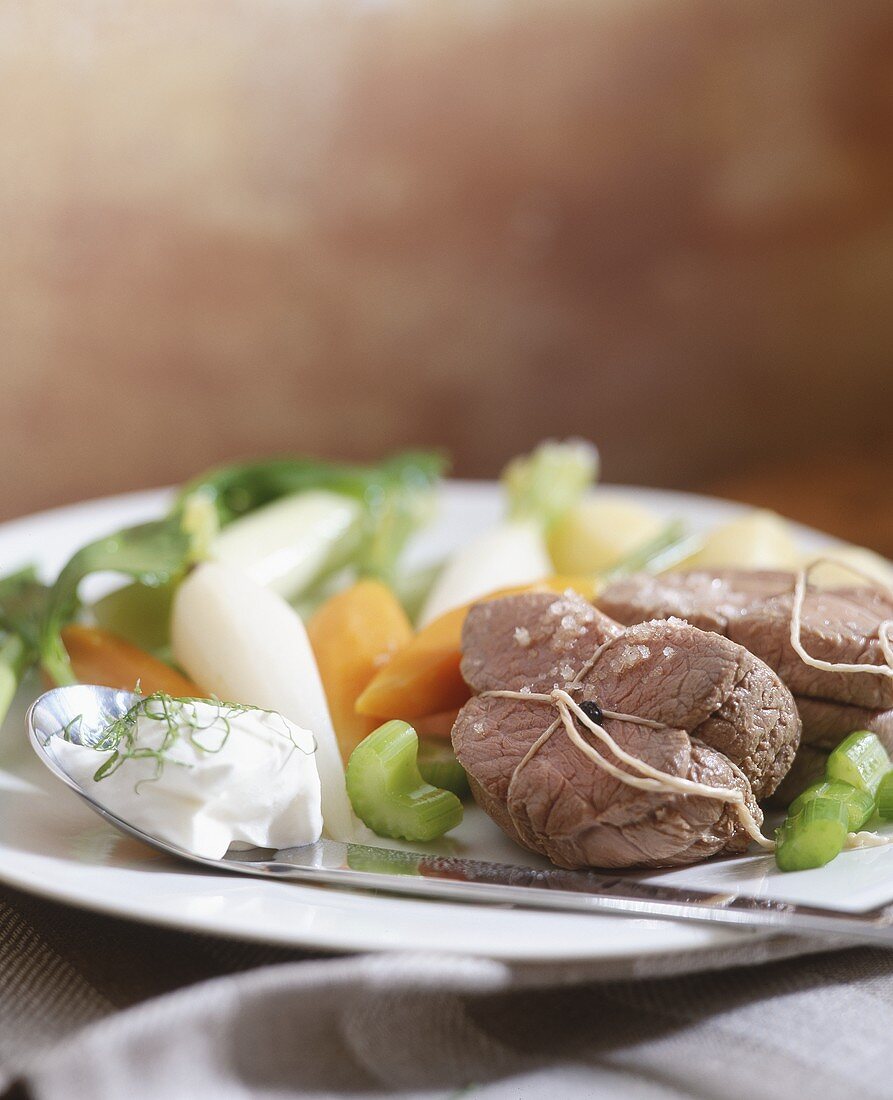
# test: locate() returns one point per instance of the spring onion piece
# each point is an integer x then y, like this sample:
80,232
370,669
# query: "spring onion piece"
540,488
885,797
153,553
439,767
859,803
814,836
245,643
860,760
388,793
294,542
671,545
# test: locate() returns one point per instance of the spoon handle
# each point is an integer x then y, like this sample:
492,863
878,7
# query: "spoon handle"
358,867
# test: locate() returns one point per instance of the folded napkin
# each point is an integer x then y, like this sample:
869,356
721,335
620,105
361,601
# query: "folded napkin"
785,1025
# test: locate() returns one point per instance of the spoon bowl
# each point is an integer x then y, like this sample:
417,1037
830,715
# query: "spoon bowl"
81,713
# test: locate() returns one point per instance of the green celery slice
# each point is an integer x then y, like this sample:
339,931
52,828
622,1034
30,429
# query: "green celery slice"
814,836
859,804
885,797
389,795
439,767
860,760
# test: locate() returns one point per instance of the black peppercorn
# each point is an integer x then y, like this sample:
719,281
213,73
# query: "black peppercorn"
592,711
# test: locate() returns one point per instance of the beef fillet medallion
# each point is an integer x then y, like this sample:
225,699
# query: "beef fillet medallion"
724,719
754,608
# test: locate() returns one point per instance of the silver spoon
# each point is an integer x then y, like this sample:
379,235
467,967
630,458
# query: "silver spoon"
83,712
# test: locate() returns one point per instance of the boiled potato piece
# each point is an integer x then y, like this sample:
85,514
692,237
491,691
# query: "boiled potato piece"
828,575
596,533
757,540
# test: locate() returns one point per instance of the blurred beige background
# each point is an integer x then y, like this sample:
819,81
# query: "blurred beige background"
242,226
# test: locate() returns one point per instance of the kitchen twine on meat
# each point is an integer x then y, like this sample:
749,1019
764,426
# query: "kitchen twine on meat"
885,640
649,778
652,779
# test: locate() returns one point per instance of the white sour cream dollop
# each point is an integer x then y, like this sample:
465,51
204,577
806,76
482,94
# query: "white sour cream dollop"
228,776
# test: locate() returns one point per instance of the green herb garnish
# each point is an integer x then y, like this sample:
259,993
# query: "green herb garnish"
153,553
180,720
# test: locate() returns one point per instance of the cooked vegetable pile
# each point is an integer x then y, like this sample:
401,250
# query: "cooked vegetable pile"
858,784
283,584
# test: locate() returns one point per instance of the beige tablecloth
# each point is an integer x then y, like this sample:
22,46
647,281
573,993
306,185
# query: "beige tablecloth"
94,1007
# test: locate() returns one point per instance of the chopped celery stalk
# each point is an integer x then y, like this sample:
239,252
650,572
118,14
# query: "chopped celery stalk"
885,797
439,767
139,613
543,485
388,793
859,804
292,543
860,760
814,836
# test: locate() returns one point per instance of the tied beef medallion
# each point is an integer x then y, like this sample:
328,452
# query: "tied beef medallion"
726,721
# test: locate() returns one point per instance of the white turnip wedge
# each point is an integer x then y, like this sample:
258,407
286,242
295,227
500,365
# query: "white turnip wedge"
508,555
245,644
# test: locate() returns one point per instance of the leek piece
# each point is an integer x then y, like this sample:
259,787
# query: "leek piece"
294,542
543,485
859,803
388,793
396,495
860,760
814,836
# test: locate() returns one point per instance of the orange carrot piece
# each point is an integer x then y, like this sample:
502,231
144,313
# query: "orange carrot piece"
100,657
424,677
353,634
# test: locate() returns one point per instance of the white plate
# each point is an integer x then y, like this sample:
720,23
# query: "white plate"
52,845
